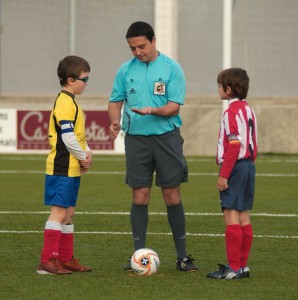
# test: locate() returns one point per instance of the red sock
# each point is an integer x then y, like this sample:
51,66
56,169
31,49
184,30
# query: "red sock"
50,245
233,236
247,237
66,243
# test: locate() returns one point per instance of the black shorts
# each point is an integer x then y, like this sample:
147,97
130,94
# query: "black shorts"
240,193
160,153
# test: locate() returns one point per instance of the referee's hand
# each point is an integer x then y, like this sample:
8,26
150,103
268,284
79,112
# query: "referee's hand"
114,130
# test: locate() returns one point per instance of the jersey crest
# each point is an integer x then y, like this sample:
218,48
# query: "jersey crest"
159,88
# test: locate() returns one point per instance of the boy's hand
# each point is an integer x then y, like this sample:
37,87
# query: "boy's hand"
86,164
222,183
89,157
83,170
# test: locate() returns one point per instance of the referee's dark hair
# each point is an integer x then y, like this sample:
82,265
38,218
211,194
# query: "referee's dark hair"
140,28
237,79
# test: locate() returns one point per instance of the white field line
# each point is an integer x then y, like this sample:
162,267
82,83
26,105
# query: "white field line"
123,173
38,158
150,213
149,233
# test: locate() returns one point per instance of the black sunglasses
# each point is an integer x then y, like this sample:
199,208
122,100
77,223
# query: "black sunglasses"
84,79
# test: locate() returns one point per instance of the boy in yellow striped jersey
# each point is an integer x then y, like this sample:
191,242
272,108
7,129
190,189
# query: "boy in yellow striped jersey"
69,157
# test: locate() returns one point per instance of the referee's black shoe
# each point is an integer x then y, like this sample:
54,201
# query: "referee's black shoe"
186,264
127,267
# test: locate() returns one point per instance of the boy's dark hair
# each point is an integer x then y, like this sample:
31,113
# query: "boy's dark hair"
71,66
237,79
140,28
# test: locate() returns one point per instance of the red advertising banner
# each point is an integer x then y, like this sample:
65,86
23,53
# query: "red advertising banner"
32,130
97,130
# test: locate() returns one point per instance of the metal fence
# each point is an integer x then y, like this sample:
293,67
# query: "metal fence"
36,34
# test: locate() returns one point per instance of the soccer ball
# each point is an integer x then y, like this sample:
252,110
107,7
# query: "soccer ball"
145,262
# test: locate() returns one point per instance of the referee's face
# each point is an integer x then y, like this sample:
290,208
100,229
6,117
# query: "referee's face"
141,48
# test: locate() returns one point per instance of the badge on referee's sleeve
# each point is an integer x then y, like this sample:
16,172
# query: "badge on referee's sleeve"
159,88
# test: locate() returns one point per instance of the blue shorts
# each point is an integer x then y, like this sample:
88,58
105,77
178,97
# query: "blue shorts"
240,193
61,190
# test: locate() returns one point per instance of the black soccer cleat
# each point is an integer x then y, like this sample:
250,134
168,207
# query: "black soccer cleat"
127,267
225,272
186,264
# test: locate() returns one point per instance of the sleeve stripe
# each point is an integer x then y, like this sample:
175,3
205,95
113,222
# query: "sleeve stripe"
234,142
66,125
66,130
63,122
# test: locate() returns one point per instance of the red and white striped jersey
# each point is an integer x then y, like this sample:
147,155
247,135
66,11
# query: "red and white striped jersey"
237,136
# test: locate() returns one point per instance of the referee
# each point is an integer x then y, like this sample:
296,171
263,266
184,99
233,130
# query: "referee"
150,88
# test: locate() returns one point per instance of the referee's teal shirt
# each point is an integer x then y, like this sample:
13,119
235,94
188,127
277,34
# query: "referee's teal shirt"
149,84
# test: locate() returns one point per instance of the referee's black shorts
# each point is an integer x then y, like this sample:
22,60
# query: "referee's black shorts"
160,153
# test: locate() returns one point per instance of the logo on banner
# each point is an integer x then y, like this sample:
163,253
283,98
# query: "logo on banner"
32,131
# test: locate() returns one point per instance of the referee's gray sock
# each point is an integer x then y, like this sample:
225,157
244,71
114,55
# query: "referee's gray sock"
139,221
176,219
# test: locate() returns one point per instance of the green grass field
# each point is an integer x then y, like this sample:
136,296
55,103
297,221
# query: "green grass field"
103,239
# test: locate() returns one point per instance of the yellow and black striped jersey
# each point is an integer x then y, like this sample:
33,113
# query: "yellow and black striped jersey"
60,161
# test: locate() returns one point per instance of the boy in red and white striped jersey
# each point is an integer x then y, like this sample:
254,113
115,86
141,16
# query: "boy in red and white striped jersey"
236,153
